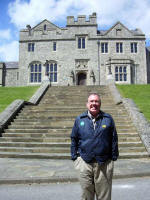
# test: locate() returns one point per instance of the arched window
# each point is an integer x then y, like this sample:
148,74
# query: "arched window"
35,73
51,70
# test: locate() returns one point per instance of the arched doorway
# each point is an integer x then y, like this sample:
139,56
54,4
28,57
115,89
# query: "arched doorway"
81,79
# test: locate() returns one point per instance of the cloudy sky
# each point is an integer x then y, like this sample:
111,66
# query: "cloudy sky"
16,14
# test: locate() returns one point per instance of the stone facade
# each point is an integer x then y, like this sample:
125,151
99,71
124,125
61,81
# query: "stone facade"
79,54
9,74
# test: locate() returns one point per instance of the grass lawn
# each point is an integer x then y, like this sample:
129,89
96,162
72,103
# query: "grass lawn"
9,94
140,94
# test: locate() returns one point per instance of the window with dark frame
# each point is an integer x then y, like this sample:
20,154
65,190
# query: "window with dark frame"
54,46
45,27
119,47
51,70
81,43
104,47
120,73
30,47
133,47
35,73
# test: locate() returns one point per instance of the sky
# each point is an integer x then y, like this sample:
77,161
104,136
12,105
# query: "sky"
16,14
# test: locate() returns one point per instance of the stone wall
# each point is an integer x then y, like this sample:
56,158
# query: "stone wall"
12,77
71,60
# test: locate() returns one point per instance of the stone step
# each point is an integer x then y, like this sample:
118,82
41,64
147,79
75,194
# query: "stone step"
70,103
42,139
79,111
43,131
34,144
60,119
133,155
136,155
35,155
58,130
64,136
62,133
132,149
52,139
68,108
47,114
59,149
36,149
59,126
35,139
28,117
58,122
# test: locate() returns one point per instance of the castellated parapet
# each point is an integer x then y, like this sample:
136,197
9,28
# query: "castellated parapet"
81,20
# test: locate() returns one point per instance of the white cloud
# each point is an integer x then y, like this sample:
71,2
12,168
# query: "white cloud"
9,51
134,14
5,34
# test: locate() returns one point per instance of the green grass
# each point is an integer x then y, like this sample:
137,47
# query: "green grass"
140,95
9,94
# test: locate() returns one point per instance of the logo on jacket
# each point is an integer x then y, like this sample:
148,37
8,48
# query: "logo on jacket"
104,126
82,123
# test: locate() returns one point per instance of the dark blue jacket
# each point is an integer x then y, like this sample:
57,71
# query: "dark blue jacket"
100,144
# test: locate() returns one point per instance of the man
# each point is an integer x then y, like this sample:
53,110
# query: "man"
94,147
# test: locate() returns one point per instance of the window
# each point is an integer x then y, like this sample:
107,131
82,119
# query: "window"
30,46
104,47
119,47
134,47
54,46
81,43
45,27
35,73
120,73
51,70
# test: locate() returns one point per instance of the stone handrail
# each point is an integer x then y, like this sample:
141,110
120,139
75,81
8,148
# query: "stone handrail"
115,93
11,111
138,119
140,122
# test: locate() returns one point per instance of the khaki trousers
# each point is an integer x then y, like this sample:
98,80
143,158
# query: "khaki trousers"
95,179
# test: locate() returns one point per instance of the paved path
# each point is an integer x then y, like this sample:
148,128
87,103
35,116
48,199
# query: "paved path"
48,171
122,189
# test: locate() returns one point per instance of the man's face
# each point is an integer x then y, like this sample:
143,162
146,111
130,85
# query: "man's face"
93,105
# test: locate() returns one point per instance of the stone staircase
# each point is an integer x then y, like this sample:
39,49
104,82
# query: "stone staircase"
43,131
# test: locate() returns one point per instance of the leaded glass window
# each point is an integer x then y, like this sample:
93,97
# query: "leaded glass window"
51,70
35,73
120,73
81,43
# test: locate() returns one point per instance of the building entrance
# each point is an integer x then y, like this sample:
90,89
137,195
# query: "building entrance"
81,79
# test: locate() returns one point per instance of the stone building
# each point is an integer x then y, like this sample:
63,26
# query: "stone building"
81,54
9,74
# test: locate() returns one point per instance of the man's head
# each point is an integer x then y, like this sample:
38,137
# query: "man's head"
94,104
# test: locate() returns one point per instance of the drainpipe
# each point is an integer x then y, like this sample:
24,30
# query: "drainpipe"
98,43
